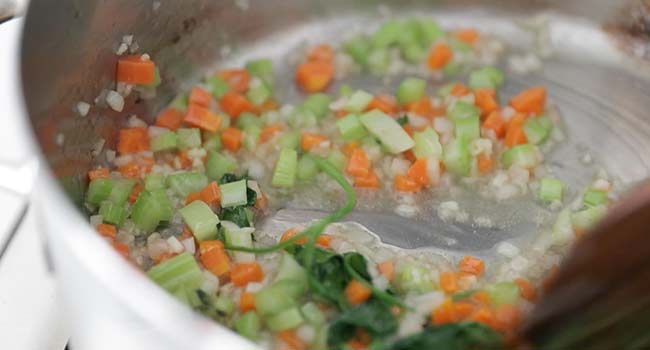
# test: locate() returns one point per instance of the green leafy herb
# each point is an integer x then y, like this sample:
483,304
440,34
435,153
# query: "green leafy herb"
453,336
228,178
403,120
373,316
238,215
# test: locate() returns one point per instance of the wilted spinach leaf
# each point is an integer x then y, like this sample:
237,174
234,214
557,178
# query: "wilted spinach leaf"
403,120
373,316
454,336
238,215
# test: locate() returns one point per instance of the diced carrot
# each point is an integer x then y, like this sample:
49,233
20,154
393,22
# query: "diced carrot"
231,139
485,163
384,103
481,298
187,233
122,248
445,313
439,56
495,122
387,269
506,318
340,113
363,337
466,281
321,53
184,159
210,194
146,164
467,35
459,90
163,257
310,140
418,172
406,184
237,79
135,192
349,147
133,140
100,173
269,131
324,241
246,302
369,181
234,104
531,101
463,309
356,344
291,339
526,289
214,257
358,164
106,230
409,129
483,315
203,118
169,118
134,70
357,293
268,105
242,274
130,170
421,107
199,96
290,233
515,136
486,100
410,156
449,282
192,196
314,76
471,265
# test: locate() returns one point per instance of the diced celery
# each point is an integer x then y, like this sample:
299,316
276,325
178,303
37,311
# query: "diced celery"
537,130
358,49
285,168
307,168
246,119
294,289
165,211
457,158
413,52
462,110
351,128
388,131
345,90
180,102
121,190
378,60
586,219
251,136
387,34
409,34
524,156
313,314
468,129
320,340
302,118
289,140
453,69
188,296
427,144
99,190
410,90
272,300
212,143
113,213
503,293
179,271
239,237
184,183
594,198
188,138
154,182
248,325
358,101
259,94
233,194
337,158
319,104
201,220
550,189
218,86
146,213
219,164
486,77
261,68
429,31
563,229
164,142
224,305
289,269
414,278
445,90
285,320
156,80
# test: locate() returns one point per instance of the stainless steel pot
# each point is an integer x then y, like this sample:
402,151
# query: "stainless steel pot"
67,57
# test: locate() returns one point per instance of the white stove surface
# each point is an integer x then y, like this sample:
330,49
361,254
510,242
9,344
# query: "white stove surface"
31,314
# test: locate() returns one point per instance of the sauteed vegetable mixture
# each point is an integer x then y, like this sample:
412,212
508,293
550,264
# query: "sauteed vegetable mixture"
181,197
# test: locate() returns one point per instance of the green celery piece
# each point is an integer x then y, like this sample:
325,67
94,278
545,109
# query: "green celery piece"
181,271
453,68
462,110
218,86
429,31
184,183
468,129
156,80
345,90
188,138
239,237
388,34
594,198
524,156
410,90
285,320
358,49
409,34
337,158
503,293
319,104
414,278
413,52
378,60
486,78
219,164
427,144
313,314
562,228
388,131
233,194
261,68
251,136
166,211
99,190
307,168
290,269
248,325
180,102
272,300
259,94
113,213
445,90
154,182
457,158
586,219
285,168
201,220
164,142
302,118
551,189
538,130
224,305
213,142
351,128
121,190
358,101
290,140
147,212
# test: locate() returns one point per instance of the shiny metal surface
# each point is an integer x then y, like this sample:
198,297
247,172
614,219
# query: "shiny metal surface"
68,57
